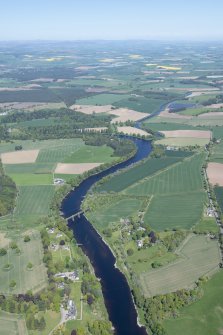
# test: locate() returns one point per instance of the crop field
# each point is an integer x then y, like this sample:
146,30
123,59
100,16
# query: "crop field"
12,324
102,99
58,150
141,104
33,202
91,154
199,256
204,317
217,153
219,196
120,181
113,213
162,126
37,168
32,179
182,177
182,210
34,279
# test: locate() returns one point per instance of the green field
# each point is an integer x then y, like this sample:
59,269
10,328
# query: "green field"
207,225
219,196
217,153
120,181
198,256
141,104
33,202
32,168
102,99
181,210
183,142
12,324
34,279
91,154
168,126
182,177
204,317
32,179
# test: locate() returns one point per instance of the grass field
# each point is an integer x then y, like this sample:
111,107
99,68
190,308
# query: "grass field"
35,279
199,256
204,317
120,181
91,154
141,104
183,142
37,168
33,202
102,99
207,225
182,177
12,324
175,211
22,179
217,153
114,212
219,196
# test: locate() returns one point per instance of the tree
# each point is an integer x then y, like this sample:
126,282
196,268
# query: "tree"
26,238
3,252
29,266
12,284
62,242
73,332
130,252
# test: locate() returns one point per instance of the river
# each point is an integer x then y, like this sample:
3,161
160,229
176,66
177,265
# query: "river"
116,292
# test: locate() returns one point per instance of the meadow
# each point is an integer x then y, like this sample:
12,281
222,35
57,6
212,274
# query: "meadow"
34,279
91,154
102,99
198,257
204,317
12,324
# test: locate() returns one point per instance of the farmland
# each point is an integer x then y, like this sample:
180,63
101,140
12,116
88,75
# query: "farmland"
219,195
34,279
204,317
197,258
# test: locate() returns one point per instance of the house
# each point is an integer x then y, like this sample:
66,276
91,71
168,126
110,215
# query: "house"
58,181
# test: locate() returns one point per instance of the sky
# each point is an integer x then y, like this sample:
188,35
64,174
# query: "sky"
111,19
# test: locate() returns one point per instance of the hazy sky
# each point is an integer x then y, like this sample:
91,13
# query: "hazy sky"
111,19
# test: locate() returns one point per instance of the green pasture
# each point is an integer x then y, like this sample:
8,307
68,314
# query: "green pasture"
119,182
181,178
91,154
33,202
12,324
183,142
205,316
169,211
32,179
198,257
102,99
34,279
207,225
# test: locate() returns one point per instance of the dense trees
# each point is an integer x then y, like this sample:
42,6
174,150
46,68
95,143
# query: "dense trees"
8,193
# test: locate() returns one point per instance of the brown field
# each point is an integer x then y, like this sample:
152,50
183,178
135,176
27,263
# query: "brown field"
72,168
95,90
21,88
187,133
20,157
132,131
192,89
210,114
90,109
125,114
215,173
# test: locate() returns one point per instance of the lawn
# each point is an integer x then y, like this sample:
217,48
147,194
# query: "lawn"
204,317
198,256
33,202
34,279
91,154
22,179
12,324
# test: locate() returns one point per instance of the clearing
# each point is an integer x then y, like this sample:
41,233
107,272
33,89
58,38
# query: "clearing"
199,256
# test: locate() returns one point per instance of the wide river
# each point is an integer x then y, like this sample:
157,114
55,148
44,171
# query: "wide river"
115,288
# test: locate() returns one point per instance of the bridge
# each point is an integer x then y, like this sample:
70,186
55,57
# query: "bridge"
78,214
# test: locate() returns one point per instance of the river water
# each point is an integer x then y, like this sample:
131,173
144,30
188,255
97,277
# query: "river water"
116,292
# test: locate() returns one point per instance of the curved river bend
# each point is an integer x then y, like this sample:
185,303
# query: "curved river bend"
116,292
